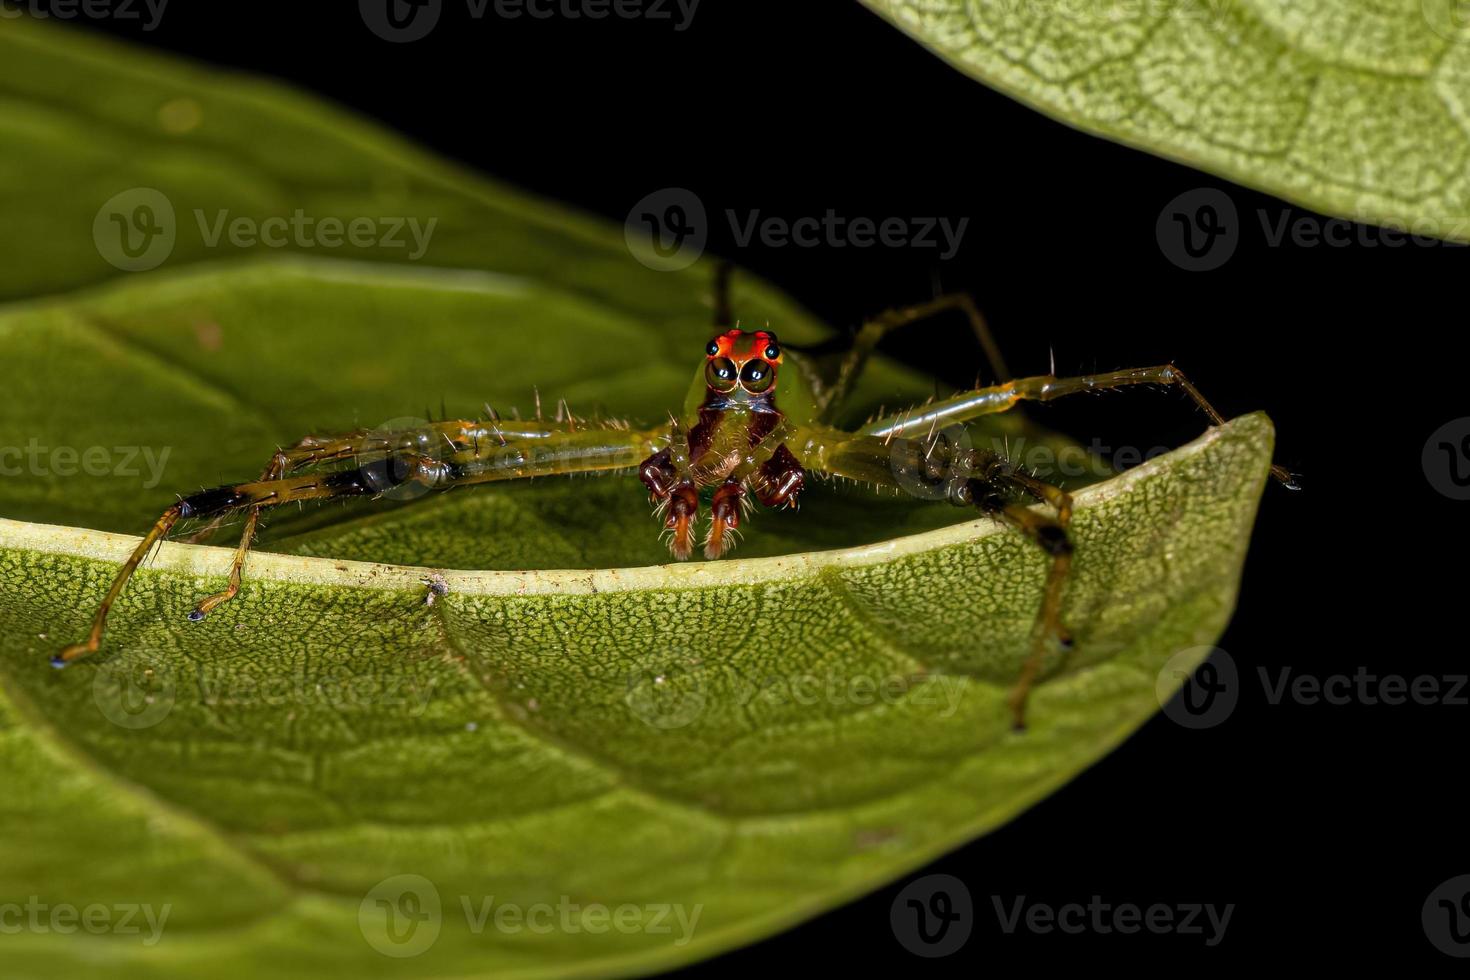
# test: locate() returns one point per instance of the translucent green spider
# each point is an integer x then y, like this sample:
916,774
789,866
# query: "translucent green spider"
756,423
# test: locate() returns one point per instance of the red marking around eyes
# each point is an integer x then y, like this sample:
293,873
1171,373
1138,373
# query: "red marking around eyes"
756,347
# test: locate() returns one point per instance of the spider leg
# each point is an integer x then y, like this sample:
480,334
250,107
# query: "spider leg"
778,481
720,294
1044,388
283,462
314,450
1050,533
874,330
666,475
985,480
585,450
726,507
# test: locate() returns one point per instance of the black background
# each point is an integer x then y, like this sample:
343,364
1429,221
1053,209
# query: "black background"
1326,826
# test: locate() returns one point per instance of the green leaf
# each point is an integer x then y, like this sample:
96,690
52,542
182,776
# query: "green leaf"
1350,108
85,120
755,740
751,740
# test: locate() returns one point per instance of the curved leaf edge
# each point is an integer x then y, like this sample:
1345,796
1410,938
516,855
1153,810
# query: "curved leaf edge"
1364,211
203,561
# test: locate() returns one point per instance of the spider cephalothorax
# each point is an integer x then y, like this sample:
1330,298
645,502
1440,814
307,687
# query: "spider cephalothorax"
732,442
740,371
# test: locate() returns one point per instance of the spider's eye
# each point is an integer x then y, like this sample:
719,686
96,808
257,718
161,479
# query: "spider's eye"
720,374
712,348
757,376
771,352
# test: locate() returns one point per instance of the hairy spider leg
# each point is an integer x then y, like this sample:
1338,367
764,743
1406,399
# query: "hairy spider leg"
720,294
980,478
588,450
870,333
732,455
456,435
1044,388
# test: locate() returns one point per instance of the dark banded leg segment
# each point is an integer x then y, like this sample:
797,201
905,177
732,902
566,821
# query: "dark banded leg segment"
726,508
1048,633
559,454
778,481
212,503
280,464
677,500
932,470
311,451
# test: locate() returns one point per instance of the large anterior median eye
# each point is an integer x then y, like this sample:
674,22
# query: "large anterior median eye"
720,374
757,376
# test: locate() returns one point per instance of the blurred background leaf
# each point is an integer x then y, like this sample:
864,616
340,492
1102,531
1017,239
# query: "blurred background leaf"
1349,107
